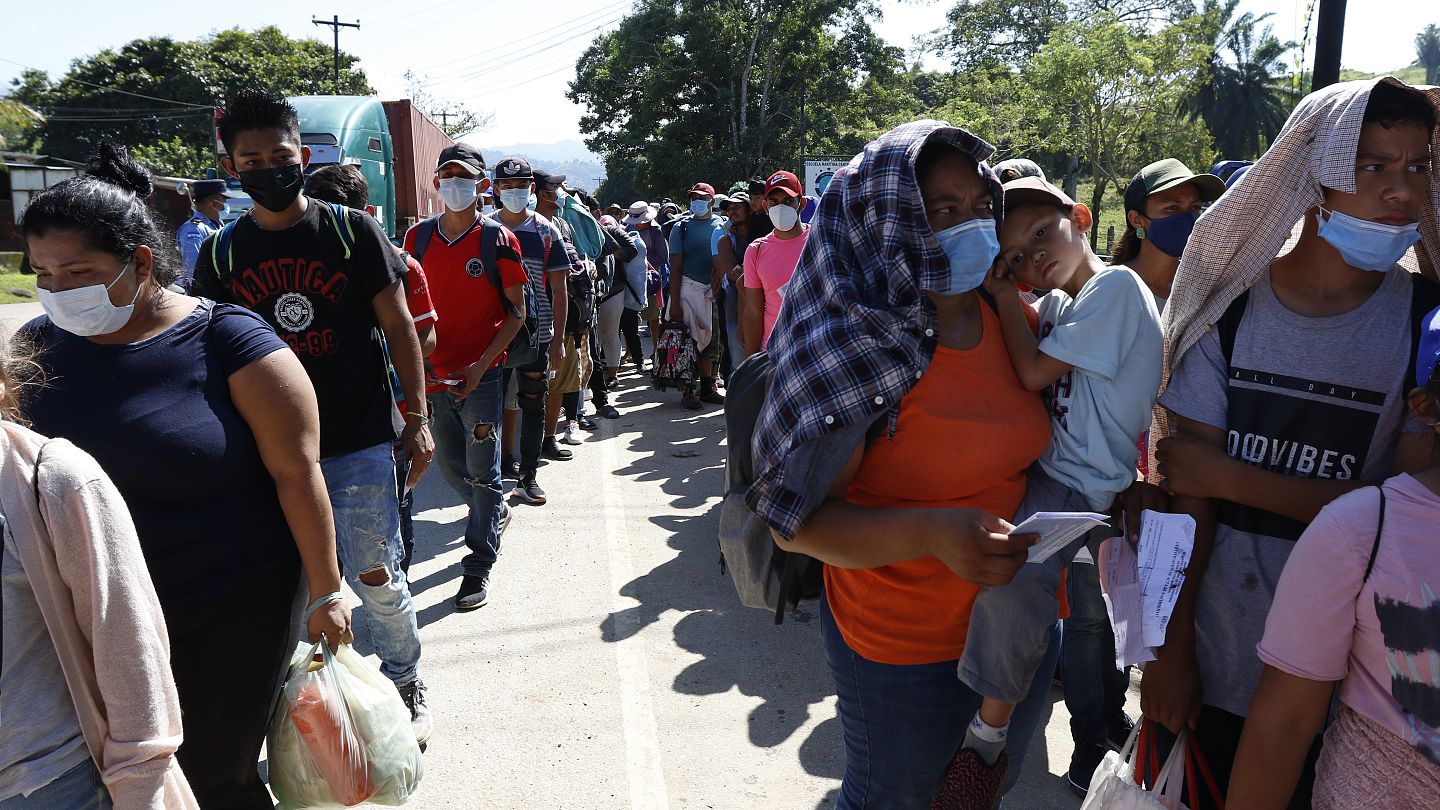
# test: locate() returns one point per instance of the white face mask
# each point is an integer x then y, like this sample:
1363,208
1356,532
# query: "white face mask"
459,193
488,210
783,217
88,311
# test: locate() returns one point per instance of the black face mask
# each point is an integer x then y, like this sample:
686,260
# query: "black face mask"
274,189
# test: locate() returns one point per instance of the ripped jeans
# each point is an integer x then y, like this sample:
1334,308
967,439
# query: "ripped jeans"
467,451
367,537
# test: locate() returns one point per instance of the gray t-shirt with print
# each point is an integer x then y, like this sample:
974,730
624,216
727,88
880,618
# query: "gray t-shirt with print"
1311,398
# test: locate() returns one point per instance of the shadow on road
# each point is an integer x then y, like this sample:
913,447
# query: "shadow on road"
683,454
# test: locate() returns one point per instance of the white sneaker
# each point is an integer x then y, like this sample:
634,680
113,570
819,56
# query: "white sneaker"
572,433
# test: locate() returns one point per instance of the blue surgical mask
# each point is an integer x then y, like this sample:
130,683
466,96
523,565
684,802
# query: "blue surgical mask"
971,248
699,207
514,199
1169,234
1367,245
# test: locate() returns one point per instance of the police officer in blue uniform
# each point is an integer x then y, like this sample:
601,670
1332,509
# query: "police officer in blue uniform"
208,197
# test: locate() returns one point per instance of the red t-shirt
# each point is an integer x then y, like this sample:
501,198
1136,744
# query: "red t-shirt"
417,292
458,284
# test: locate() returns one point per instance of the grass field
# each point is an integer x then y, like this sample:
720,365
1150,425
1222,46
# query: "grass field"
12,279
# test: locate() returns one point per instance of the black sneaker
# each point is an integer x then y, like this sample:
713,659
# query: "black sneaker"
690,402
1119,732
413,694
1083,762
609,412
474,592
552,450
528,490
586,422
712,397
510,468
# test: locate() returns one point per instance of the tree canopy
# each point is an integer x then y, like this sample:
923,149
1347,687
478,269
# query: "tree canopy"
158,95
688,90
685,90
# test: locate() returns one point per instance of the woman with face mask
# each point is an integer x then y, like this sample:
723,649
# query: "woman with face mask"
888,469
208,426
1162,204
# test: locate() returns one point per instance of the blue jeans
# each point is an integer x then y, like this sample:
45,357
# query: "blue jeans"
471,463
904,724
1094,688
79,788
407,507
367,537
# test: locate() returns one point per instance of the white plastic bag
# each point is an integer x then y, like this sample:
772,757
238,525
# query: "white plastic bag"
341,735
1113,786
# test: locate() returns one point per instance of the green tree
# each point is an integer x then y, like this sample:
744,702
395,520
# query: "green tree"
1241,96
173,157
1427,48
15,120
685,90
158,95
1108,92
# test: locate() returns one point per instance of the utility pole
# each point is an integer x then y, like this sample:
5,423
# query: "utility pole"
335,24
444,116
1329,36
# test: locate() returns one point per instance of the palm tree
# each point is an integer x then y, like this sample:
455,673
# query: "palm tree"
1427,47
15,118
1241,100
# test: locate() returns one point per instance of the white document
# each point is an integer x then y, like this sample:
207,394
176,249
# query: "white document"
1141,584
1166,541
1056,530
1120,583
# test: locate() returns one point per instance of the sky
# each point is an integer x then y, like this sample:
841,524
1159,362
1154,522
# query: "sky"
515,59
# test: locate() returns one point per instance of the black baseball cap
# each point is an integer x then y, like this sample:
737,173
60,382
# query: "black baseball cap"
200,189
513,168
464,154
546,180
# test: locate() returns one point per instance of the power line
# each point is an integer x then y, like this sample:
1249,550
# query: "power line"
559,29
111,89
535,49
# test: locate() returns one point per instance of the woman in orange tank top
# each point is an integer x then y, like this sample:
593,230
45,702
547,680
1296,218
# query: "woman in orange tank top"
909,532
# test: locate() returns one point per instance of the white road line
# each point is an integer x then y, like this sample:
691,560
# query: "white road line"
642,743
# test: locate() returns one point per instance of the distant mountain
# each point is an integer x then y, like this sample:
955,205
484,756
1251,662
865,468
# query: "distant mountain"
581,167
559,151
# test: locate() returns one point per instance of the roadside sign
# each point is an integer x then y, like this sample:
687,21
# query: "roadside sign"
818,174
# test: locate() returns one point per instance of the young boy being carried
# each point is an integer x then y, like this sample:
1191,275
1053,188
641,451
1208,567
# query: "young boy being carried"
1097,358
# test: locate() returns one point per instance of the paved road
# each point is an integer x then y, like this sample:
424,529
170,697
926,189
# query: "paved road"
613,666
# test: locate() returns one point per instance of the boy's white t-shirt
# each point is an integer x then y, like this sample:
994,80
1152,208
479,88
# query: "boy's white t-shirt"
1111,334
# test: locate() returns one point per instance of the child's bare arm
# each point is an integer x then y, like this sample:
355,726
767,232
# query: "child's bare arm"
1033,367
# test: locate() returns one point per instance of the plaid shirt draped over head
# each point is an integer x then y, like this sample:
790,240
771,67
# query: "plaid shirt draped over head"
1239,235
856,332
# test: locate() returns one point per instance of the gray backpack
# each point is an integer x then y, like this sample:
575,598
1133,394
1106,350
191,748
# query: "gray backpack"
765,575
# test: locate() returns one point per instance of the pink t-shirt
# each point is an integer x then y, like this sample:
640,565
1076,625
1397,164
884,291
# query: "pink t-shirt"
769,263
1381,637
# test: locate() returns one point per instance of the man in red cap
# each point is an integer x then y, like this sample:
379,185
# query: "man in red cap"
770,260
692,289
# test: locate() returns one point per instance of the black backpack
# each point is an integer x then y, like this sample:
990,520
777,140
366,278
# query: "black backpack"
525,344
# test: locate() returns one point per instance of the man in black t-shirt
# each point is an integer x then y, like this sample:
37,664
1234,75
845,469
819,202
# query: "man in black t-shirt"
330,284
